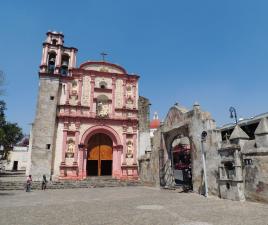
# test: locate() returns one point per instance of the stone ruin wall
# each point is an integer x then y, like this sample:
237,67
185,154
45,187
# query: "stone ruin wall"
149,163
157,169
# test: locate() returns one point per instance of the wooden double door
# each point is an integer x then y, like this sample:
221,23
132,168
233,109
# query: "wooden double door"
100,155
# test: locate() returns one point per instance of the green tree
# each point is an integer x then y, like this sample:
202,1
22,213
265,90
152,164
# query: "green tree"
2,113
10,133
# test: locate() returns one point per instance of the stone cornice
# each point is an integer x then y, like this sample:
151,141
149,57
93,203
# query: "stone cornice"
83,118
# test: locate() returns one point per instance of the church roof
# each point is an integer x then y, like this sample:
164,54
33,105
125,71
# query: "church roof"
238,133
262,127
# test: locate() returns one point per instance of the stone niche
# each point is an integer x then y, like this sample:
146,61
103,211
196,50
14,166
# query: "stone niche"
230,170
231,181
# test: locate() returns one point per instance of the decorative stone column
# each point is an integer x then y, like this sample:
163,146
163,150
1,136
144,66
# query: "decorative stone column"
124,144
79,91
92,86
117,150
81,161
68,92
58,60
72,63
77,133
45,56
134,145
64,142
134,95
113,96
124,93
85,162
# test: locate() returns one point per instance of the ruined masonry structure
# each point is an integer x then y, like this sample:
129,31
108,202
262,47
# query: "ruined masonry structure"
236,155
86,120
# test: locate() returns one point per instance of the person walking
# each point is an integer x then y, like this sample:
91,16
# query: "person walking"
29,183
44,182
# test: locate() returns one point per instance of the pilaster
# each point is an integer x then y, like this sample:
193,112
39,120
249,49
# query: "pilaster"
64,142
124,144
92,86
113,95
79,90
135,145
124,92
77,133
68,93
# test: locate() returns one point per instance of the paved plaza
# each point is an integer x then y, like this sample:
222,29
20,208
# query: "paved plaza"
125,205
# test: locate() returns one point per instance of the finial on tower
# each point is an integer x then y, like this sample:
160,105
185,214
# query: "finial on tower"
155,116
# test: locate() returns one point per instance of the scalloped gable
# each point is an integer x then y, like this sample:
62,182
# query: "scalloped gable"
238,133
262,127
103,67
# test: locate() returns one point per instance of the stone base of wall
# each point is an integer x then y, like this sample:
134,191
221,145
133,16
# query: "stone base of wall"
129,172
149,168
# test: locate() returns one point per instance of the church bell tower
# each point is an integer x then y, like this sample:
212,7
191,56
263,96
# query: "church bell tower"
57,63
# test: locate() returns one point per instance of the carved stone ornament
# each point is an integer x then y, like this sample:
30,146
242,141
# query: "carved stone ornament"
102,109
129,150
70,149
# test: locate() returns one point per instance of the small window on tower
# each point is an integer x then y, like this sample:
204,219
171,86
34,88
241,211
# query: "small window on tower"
54,41
51,97
48,146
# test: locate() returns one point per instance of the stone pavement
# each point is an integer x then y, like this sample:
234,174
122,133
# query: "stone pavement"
125,205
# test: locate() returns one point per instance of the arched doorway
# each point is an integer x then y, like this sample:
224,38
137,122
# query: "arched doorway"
100,155
181,161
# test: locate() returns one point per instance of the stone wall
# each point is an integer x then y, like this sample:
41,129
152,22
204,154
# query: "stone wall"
255,161
144,131
256,178
149,163
212,158
144,114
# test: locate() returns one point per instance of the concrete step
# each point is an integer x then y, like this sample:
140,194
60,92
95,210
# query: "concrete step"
95,182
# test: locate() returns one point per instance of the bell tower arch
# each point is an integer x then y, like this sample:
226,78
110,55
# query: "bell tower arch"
57,58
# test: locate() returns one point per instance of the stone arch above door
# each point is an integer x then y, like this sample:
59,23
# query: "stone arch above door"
102,129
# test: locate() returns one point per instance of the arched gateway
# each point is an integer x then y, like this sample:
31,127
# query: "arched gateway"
101,152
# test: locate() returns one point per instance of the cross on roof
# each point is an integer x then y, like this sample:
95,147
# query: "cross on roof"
103,54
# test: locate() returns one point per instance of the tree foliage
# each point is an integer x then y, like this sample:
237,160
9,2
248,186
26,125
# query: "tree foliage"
10,133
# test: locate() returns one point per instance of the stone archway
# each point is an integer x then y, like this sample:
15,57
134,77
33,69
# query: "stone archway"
115,145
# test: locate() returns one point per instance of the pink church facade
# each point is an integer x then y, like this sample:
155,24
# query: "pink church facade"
96,116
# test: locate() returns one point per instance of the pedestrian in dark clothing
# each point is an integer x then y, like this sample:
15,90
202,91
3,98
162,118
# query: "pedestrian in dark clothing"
44,182
29,183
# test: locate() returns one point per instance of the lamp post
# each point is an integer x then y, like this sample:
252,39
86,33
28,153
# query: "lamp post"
233,113
203,139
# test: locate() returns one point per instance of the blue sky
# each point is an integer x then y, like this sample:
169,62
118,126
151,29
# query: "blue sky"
211,51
